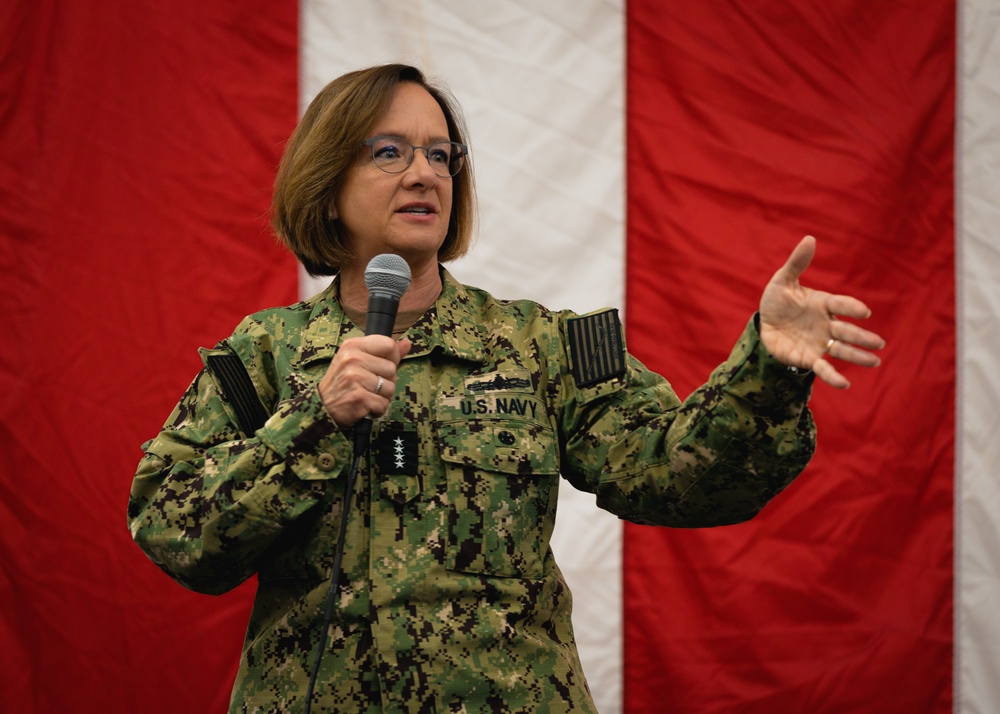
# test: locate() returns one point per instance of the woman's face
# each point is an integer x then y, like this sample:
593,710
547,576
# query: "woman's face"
405,213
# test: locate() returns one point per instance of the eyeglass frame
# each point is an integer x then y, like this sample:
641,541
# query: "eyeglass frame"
463,153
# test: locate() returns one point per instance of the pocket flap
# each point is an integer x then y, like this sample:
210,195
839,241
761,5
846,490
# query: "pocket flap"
500,445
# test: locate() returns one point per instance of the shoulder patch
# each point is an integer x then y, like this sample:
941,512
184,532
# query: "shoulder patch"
596,347
238,389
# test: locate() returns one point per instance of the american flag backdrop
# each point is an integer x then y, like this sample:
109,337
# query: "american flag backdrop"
657,156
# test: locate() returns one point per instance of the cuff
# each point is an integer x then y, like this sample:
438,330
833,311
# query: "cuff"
302,433
754,375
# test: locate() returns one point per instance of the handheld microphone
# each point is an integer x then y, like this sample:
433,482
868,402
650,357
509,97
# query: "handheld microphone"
387,277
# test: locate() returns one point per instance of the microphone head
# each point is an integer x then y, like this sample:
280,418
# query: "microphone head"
387,274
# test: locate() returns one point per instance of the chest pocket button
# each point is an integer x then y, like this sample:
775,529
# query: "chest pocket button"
506,438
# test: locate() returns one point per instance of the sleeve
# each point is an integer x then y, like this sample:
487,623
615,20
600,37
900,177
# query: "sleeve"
208,500
716,458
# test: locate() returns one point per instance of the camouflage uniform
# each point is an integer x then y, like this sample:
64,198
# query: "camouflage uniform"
451,600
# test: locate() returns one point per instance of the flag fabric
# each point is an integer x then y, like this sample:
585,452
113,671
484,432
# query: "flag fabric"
823,120
139,141
660,157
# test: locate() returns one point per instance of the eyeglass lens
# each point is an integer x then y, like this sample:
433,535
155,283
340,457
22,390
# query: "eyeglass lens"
393,155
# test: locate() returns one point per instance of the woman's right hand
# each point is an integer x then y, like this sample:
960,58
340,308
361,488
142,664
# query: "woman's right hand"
350,389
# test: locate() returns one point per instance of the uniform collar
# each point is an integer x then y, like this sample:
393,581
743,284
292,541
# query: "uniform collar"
449,328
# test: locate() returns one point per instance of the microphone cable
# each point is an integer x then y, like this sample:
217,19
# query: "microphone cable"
387,277
360,447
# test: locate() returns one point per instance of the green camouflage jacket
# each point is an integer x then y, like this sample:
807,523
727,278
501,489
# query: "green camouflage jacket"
451,599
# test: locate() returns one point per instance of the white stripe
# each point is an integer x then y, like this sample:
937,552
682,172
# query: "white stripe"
977,646
542,86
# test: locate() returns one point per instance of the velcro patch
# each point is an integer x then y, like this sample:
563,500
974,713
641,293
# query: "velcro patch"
239,391
397,452
596,347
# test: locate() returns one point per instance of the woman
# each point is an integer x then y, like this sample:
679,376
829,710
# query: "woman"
449,598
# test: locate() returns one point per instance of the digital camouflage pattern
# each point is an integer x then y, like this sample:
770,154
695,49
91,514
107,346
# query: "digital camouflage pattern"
451,600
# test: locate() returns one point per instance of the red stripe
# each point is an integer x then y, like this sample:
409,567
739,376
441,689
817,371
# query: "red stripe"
746,130
138,157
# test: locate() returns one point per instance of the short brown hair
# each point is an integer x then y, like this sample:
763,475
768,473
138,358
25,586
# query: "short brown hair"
324,146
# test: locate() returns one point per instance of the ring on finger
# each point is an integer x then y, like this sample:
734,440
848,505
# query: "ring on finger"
829,345
378,384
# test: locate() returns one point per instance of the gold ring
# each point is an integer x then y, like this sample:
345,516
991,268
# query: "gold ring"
829,345
378,384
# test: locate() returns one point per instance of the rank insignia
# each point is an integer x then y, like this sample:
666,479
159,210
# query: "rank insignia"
397,451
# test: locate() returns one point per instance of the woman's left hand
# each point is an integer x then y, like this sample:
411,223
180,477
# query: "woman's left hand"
799,326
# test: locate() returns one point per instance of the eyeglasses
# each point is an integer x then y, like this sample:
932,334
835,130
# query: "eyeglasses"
394,155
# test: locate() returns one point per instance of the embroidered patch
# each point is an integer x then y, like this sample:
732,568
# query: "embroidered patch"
514,380
397,452
596,347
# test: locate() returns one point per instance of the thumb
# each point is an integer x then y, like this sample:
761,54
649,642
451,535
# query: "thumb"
798,261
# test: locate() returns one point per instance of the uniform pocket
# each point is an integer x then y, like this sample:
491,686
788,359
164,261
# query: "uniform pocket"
502,482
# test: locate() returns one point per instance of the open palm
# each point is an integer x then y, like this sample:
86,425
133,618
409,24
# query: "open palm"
799,326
